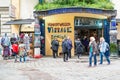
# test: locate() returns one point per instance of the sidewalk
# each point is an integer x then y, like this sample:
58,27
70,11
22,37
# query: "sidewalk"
82,58
49,68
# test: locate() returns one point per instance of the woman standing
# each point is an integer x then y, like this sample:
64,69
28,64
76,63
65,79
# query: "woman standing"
92,51
79,48
5,42
104,48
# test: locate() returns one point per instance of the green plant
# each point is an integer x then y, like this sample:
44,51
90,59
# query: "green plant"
101,4
113,47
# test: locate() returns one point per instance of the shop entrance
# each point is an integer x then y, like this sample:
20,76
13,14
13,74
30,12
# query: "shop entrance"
42,38
85,28
85,34
81,33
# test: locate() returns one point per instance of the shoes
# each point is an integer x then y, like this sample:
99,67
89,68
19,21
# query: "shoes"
108,64
89,66
100,63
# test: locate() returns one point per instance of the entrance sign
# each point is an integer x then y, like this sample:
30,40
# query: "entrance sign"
88,22
59,28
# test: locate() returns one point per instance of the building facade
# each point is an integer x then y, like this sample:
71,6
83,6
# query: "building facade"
74,22
4,17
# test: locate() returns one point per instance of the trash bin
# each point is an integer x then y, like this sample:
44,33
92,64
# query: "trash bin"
118,47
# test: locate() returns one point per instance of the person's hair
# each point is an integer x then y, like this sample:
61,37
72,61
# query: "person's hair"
93,39
21,41
102,38
16,42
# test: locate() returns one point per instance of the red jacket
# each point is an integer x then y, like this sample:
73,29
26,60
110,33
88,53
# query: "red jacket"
15,48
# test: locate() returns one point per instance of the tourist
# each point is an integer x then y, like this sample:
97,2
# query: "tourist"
79,48
69,46
5,42
92,51
65,50
54,47
104,50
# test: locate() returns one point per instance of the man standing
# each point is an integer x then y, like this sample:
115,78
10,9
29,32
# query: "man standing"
55,45
65,50
69,46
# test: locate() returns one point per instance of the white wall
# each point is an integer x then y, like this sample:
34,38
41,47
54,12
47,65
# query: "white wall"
27,8
117,7
4,3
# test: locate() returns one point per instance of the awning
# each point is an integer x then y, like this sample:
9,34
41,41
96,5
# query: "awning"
19,21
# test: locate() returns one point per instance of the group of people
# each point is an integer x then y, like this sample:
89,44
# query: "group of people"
101,48
15,46
66,48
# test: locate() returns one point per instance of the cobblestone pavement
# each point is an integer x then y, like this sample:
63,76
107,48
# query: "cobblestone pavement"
47,68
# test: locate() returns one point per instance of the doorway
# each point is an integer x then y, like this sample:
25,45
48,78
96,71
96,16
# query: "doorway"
85,34
42,36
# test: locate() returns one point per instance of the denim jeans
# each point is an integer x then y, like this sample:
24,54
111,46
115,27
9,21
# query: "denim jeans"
106,56
22,57
65,56
69,53
90,59
55,54
15,54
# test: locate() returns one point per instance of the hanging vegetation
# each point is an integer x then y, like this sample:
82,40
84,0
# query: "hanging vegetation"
101,4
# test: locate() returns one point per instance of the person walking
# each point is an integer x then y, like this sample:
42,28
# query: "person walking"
92,51
65,50
69,46
79,48
104,50
54,47
15,49
5,42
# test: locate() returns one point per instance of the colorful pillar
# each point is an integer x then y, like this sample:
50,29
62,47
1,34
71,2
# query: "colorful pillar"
113,31
37,42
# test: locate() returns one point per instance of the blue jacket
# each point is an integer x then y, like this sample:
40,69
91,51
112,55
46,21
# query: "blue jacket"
103,47
69,44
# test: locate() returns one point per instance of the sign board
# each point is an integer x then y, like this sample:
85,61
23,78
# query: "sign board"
12,9
113,24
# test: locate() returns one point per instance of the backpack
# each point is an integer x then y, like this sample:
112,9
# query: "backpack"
79,48
107,47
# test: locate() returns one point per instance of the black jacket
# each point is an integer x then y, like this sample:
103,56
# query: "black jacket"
65,46
55,45
79,47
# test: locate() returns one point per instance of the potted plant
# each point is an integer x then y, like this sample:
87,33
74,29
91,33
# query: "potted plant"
113,49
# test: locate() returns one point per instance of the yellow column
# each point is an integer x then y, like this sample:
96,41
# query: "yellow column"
16,3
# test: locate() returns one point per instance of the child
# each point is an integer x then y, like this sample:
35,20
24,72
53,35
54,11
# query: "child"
22,52
15,50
